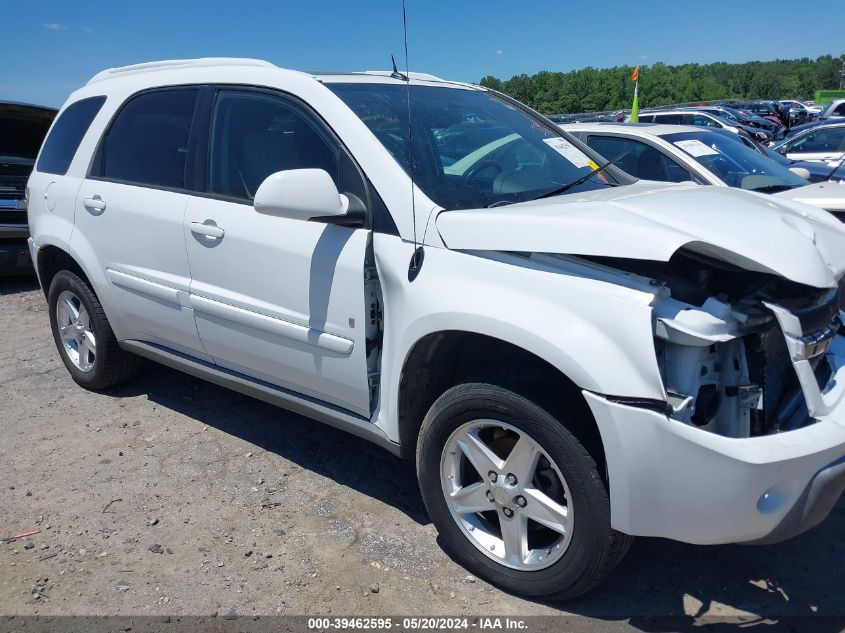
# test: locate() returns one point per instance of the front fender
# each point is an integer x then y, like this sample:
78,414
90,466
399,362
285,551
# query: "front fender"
597,333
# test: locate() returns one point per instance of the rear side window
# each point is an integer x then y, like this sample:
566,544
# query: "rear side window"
147,143
66,135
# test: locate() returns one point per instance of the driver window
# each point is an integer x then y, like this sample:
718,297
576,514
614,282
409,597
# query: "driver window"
255,134
820,141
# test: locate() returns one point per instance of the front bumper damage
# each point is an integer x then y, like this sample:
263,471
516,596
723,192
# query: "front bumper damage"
670,479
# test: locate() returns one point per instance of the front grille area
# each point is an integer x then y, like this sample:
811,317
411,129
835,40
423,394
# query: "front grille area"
12,186
13,216
817,314
770,366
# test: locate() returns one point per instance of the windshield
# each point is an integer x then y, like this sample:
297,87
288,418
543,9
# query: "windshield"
734,163
471,148
736,114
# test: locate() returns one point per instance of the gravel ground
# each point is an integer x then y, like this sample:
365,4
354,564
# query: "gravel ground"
173,496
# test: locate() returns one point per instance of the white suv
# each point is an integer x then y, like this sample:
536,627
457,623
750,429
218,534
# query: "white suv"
570,357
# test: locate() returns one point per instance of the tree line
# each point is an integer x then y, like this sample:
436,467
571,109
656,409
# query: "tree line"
597,89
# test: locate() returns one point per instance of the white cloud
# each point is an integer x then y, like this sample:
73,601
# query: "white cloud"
499,51
55,26
643,56
87,29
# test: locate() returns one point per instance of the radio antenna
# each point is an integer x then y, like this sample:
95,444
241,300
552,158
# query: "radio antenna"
419,253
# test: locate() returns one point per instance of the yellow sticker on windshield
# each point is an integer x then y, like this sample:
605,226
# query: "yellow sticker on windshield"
592,164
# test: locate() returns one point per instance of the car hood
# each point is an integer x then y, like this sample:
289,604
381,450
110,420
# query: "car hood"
652,221
828,195
23,128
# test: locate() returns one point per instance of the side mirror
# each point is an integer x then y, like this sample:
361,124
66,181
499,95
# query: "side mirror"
801,172
301,194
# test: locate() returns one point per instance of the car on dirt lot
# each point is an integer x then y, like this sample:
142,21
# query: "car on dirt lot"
22,130
572,358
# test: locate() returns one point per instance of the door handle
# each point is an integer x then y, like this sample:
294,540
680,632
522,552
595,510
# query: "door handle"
208,230
96,203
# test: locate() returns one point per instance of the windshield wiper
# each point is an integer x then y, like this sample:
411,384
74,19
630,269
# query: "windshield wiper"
582,179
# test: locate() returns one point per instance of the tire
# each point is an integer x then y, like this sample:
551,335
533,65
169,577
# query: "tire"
590,548
107,365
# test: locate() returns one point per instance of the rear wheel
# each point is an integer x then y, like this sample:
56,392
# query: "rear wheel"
515,496
82,333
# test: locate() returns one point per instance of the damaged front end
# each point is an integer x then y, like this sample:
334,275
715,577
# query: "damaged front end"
741,353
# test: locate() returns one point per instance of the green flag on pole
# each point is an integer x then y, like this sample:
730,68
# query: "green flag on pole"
635,107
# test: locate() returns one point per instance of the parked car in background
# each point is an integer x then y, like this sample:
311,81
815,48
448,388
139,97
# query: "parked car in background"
820,143
766,109
732,114
833,110
828,195
800,112
703,119
798,129
680,153
813,171
571,357
22,130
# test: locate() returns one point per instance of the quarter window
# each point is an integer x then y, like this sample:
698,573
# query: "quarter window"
67,134
255,134
147,143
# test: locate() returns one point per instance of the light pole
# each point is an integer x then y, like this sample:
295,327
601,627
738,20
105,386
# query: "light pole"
842,74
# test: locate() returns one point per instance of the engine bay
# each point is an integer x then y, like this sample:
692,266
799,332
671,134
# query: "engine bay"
721,351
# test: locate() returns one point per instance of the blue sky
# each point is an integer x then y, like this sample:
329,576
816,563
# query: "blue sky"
49,48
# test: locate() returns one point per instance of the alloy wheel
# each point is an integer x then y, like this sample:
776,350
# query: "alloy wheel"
75,331
507,495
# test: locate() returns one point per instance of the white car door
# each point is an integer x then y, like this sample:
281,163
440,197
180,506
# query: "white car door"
130,213
277,299
823,144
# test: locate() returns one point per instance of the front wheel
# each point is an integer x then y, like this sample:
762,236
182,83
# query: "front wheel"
515,496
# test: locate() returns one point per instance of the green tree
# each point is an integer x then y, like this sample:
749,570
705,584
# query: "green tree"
594,89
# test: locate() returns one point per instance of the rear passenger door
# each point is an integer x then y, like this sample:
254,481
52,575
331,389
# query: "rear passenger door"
278,299
130,213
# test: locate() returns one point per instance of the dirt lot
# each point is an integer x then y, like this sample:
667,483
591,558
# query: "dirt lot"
172,496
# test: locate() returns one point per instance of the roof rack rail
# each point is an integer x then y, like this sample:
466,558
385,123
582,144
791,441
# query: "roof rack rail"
111,73
411,75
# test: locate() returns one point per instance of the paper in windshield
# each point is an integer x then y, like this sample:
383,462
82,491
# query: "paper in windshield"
568,151
696,148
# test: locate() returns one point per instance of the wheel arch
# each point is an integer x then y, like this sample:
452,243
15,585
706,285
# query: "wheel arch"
440,360
50,259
